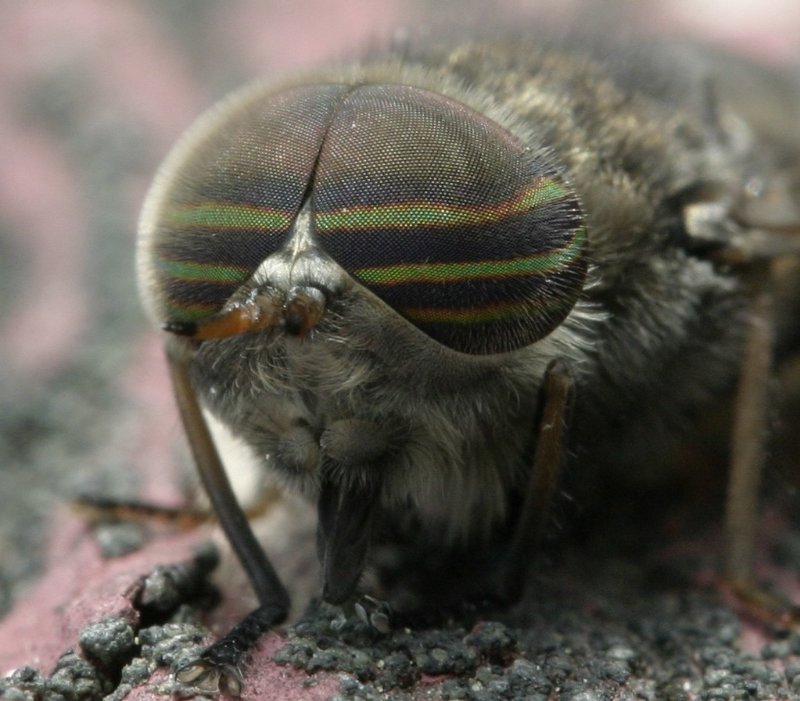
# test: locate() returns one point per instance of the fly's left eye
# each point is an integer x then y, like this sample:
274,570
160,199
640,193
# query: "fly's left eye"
448,218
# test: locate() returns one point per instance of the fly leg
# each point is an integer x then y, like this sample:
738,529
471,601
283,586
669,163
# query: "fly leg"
557,392
219,666
748,456
95,509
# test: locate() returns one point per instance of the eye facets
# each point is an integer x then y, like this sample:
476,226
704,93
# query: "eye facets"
436,209
444,215
231,197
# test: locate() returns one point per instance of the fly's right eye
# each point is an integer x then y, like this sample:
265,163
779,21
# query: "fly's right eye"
227,197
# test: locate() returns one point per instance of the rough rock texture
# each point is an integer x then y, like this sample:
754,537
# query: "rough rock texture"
603,619
92,94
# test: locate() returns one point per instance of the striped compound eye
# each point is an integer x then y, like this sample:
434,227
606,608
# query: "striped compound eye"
227,196
446,217
437,210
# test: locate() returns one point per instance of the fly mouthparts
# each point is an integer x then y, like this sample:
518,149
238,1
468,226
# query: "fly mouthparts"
303,310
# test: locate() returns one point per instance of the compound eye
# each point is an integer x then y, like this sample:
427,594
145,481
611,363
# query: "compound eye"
227,197
448,218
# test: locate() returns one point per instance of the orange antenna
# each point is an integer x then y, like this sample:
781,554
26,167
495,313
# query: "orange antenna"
259,312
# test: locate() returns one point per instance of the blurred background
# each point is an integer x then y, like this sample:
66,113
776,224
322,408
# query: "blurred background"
92,95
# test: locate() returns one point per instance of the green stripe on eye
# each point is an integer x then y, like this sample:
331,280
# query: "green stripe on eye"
417,273
203,272
230,217
189,312
408,215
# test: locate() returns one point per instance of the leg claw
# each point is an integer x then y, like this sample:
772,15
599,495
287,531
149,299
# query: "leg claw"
211,677
375,613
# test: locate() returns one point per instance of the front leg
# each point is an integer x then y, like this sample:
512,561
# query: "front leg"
748,457
747,445
556,403
219,667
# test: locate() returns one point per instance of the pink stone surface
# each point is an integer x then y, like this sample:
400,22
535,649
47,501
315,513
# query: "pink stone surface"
78,588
